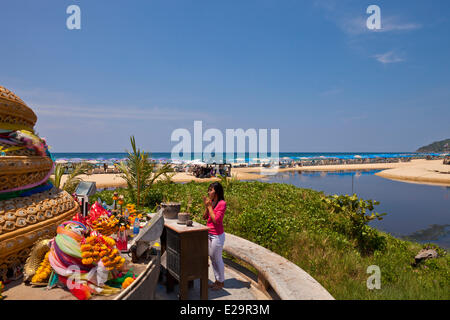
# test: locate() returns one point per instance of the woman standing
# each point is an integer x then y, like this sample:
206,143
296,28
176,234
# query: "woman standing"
215,207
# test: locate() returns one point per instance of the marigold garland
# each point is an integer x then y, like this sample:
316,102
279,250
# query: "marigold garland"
101,247
106,226
44,270
127,282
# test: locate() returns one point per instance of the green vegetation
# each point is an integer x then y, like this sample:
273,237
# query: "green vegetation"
348,217
328,237
140,173
436,147
72,180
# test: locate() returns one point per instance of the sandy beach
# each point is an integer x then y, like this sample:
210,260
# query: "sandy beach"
417,171
422,171
115,181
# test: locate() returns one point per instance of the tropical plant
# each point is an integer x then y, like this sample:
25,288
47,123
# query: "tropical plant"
139,172
227,182
350,217
58,173
72,180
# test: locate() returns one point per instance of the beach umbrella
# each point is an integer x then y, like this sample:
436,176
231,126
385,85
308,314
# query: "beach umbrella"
358,156
197,162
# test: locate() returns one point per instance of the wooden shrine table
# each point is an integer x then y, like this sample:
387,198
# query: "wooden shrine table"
185,256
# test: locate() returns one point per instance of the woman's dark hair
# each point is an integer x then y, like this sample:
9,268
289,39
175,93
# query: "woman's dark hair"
218,189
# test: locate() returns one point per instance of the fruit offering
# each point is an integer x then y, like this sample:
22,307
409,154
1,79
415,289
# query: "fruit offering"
96,247
44,270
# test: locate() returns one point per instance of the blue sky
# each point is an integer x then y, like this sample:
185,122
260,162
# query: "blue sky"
308,68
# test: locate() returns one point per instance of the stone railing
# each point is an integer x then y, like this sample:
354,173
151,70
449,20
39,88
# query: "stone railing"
288,280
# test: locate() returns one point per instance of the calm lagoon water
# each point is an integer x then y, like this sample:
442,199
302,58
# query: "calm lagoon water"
419,211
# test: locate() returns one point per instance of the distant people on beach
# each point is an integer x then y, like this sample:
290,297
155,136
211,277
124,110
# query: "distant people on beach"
213,170
208,171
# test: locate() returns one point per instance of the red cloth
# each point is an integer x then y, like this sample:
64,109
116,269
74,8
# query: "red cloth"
219,212
81,290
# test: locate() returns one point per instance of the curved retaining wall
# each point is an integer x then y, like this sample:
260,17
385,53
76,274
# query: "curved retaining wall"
288,280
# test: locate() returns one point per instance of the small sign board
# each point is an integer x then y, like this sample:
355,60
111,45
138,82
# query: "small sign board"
86,188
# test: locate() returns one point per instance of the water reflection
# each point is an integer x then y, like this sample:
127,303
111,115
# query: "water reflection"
435,232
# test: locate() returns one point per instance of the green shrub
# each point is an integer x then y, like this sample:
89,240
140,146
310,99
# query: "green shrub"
350,217
153,197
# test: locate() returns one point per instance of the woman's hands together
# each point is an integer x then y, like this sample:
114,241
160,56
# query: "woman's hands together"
207,202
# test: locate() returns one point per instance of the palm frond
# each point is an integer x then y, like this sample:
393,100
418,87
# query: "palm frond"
139,172
58,173
73,178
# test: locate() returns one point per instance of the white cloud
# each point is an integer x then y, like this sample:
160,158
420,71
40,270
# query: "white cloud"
358,25
353,21
54,105
117,113
388,57
332,91
396,24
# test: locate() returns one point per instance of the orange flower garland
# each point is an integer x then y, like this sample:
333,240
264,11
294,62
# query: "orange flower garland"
106,226
101,247
133,213
120,202
44,270
127,282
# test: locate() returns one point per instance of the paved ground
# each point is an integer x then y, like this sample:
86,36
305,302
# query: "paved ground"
237,287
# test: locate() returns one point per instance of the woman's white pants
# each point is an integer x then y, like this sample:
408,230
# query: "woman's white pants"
215,247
